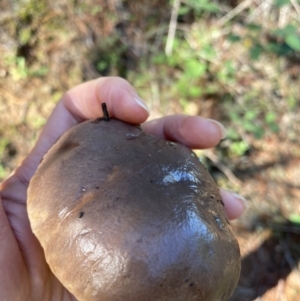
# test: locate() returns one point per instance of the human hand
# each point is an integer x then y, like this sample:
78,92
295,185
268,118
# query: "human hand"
24,273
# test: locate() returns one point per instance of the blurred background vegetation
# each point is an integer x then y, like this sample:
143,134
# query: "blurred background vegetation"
237,61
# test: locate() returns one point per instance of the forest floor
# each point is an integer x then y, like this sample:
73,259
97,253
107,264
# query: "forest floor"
237,62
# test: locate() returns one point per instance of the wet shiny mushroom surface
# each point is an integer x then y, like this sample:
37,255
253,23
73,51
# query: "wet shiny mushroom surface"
123,215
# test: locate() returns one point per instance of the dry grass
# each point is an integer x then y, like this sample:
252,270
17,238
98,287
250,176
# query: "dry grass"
48,47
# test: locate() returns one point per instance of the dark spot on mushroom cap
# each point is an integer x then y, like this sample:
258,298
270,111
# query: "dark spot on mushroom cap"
170,235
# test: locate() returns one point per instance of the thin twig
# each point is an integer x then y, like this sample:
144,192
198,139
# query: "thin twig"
283,16
289,258
105,111
287,254
172,27
280,291
297,7
238,9
155,90
227,172
263,8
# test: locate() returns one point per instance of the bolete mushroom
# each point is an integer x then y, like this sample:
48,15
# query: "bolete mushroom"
125,216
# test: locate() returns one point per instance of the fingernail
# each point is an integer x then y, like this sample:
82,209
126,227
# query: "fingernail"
241,199
141,103
220,126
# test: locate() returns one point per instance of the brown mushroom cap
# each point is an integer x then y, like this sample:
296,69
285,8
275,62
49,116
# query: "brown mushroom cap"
125,216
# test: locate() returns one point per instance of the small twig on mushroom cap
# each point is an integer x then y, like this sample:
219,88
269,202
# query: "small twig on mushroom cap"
105,112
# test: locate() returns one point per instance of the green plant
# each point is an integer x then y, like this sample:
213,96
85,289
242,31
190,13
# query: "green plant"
238,148
108,56
3,144
198,7
254,121
280,41
245,120
18,69
196,68
295,218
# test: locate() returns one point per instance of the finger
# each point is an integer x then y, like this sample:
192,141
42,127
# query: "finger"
235,204
81,103
193,131
13,269
84,101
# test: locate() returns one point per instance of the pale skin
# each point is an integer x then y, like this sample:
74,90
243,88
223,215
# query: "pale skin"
24,273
